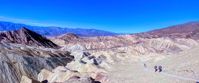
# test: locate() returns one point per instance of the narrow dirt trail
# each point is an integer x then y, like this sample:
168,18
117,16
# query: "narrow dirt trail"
180,77
172,75
138,73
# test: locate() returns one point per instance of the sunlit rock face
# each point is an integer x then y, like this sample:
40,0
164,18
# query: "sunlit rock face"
101,42
127,46
84,65
21,60
137,44
25,79
26,37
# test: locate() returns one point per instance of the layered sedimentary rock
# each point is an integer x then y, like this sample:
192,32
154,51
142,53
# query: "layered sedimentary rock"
25,58
20,60
68,36
186,32
135,44
26,37
84,65
101,42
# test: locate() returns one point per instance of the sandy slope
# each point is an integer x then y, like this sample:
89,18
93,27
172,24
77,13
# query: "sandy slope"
185,64
136,73
178,68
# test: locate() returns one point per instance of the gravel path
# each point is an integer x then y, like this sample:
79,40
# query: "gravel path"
138,73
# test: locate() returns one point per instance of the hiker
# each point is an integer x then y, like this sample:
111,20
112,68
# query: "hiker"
145,65
44,81
160,68
156,68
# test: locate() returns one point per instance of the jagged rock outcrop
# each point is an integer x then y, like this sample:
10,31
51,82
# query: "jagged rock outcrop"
24,58
25,79
101,42
62,75
69,36
137,45
26,37
84,64
21,60
123,47
81,80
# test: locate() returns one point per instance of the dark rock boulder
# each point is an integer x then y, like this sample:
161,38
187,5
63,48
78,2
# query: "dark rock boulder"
81,80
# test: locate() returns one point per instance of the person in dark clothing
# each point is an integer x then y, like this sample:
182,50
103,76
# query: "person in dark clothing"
156,68
160,68
145,65
44,81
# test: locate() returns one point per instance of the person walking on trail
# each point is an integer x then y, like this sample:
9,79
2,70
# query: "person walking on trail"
160,68
44,81
145,65
156,68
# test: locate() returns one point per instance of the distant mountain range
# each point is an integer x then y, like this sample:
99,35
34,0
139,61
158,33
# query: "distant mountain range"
55,31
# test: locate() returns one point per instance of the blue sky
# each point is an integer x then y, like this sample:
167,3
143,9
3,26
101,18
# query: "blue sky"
123,16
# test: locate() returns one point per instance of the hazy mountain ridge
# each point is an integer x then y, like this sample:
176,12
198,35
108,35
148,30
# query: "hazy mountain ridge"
54,31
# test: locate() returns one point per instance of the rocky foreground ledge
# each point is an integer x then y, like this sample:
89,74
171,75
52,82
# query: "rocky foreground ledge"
20,60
